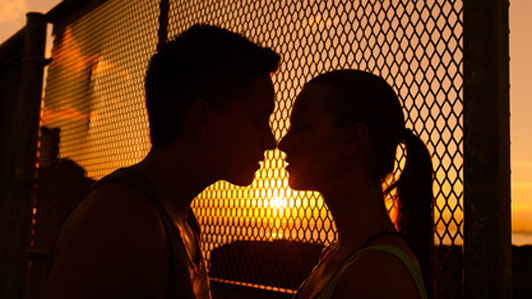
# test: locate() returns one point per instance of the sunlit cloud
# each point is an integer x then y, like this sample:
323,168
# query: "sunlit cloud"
11,10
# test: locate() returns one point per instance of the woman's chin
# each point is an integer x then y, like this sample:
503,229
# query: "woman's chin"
242,179
298,185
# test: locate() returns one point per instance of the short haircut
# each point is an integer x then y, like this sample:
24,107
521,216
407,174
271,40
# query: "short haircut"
359,96
205,62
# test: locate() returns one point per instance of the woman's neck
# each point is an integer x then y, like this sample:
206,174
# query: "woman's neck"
358,209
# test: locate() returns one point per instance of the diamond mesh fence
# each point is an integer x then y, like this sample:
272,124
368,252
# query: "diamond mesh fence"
93,118
94,103
415,45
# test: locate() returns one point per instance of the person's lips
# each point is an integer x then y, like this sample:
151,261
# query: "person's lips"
289,165
258,163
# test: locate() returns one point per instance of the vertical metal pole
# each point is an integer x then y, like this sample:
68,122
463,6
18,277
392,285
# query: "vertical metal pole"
487,243
162,33
26,111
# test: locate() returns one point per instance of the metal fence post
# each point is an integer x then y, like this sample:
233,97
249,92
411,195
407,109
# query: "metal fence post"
26,121
162,32
487,242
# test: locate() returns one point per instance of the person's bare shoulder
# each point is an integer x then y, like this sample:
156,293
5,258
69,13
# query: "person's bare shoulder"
376,274
113,245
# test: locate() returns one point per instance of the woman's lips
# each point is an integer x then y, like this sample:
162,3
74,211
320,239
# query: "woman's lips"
288,167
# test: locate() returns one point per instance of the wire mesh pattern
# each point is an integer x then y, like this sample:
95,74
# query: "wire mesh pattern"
93,117
415,45
95,96
95,93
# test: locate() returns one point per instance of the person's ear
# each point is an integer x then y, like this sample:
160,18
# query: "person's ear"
357,138
198,116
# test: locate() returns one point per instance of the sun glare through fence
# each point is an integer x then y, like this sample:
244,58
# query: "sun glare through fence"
95,96
415,46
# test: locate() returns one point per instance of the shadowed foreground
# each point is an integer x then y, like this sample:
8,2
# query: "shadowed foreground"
285,264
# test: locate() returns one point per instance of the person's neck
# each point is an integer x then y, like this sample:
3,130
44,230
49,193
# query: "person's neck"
357,205
176,178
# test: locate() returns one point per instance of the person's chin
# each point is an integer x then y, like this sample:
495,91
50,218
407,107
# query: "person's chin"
241,182
295,183
243,179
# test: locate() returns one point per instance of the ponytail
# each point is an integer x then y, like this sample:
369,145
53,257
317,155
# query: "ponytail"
363,97
416,205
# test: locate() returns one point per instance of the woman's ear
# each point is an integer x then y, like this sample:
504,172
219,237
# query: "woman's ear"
198,117
357,139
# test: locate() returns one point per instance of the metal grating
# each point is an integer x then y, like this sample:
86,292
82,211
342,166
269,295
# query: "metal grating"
93,112
95,96
95,88
415,45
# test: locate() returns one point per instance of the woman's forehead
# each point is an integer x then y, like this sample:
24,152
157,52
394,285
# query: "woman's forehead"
314,96
313,102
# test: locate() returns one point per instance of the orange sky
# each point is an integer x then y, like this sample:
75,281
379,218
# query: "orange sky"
12,18
521,112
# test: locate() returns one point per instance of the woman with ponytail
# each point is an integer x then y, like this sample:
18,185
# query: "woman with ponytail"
345,129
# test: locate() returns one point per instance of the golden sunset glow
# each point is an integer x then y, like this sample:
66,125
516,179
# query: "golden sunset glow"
94,93
104,128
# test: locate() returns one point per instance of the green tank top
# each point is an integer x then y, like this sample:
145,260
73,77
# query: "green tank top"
408,262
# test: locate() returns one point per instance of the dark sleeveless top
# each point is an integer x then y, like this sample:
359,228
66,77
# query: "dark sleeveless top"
196,283
329,290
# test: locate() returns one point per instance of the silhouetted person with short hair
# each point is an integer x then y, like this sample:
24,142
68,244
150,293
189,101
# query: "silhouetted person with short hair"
209,97
345,129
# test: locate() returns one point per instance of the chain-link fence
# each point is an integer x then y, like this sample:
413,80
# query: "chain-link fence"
93,117
415,45
94,101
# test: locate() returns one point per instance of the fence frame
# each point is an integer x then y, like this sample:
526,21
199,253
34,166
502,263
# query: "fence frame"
487,215
11,60
23,150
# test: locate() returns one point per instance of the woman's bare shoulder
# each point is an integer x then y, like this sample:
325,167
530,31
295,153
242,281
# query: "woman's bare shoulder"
376,274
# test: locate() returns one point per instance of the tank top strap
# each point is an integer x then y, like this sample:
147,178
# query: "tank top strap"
325,292
131,178
135,180
407,261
